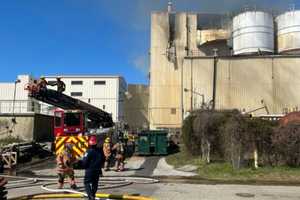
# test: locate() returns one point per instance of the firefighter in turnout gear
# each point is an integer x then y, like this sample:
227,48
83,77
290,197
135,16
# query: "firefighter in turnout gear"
92,163
42,84
61,86
65,161
120,155
107,147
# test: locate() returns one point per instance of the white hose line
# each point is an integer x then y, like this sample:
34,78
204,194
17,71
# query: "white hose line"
137,180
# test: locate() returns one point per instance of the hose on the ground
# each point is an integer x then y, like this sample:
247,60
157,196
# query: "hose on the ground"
98,195
105,183
112,181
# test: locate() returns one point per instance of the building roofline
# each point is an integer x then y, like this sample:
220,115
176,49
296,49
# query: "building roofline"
84,76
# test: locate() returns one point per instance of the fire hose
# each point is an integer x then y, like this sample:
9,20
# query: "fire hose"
105,183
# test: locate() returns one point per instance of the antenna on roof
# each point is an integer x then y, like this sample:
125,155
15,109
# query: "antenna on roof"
169,6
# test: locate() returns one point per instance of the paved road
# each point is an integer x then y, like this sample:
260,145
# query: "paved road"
148,167
156,166
171,191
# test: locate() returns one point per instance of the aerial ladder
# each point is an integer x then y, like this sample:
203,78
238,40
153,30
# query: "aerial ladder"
74,120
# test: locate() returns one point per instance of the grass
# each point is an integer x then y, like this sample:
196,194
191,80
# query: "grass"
224,172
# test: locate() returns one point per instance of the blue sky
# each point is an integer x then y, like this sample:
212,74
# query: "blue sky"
48,37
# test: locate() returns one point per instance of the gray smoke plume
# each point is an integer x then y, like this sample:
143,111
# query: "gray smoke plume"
136,13
141,63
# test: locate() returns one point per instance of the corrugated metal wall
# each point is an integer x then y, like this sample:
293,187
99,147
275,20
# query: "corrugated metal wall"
243,83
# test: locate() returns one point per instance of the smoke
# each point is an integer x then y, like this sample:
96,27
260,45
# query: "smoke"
141,63
137,13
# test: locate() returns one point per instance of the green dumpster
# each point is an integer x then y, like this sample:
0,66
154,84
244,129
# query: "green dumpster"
143,144
161,143
152,143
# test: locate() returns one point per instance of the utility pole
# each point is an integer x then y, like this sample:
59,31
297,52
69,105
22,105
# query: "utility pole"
14,100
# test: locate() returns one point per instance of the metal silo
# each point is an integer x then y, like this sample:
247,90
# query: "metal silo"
288,32
253,33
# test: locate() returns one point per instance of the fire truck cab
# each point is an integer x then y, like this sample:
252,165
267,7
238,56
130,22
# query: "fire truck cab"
69,122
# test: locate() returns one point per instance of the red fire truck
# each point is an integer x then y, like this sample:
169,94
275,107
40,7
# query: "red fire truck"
74,120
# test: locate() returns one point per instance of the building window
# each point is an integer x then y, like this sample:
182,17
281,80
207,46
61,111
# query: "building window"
99,82
76,82
76,94
103,107
173,111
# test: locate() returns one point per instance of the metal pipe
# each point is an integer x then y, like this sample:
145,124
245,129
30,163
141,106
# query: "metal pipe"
214,79
192,85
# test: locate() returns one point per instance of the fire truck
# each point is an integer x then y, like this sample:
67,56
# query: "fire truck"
74,120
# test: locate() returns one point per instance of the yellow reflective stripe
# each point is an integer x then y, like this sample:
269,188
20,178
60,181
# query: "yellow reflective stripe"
80,144
77,151
83,138
60,149
60,141
84,150
70,140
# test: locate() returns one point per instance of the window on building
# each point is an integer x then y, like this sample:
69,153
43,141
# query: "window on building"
99,82
76,94
76,82
103,107
173,111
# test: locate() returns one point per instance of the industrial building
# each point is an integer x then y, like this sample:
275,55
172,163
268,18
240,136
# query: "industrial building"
29,119
104,92
14,98
248,61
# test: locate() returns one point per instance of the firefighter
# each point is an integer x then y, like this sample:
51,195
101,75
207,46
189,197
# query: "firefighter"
42,84
92,163
61,86
120,155
65,161
107,147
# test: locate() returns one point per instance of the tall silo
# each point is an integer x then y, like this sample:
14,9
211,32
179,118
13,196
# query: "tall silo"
253,33
288,32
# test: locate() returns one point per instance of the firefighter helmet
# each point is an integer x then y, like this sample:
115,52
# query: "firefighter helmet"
107,140
92,140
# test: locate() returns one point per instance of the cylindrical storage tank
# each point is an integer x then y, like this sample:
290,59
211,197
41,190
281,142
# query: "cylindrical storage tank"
253,33
288,32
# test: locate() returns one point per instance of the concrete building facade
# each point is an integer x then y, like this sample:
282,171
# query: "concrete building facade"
104,92
182,72
14,98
